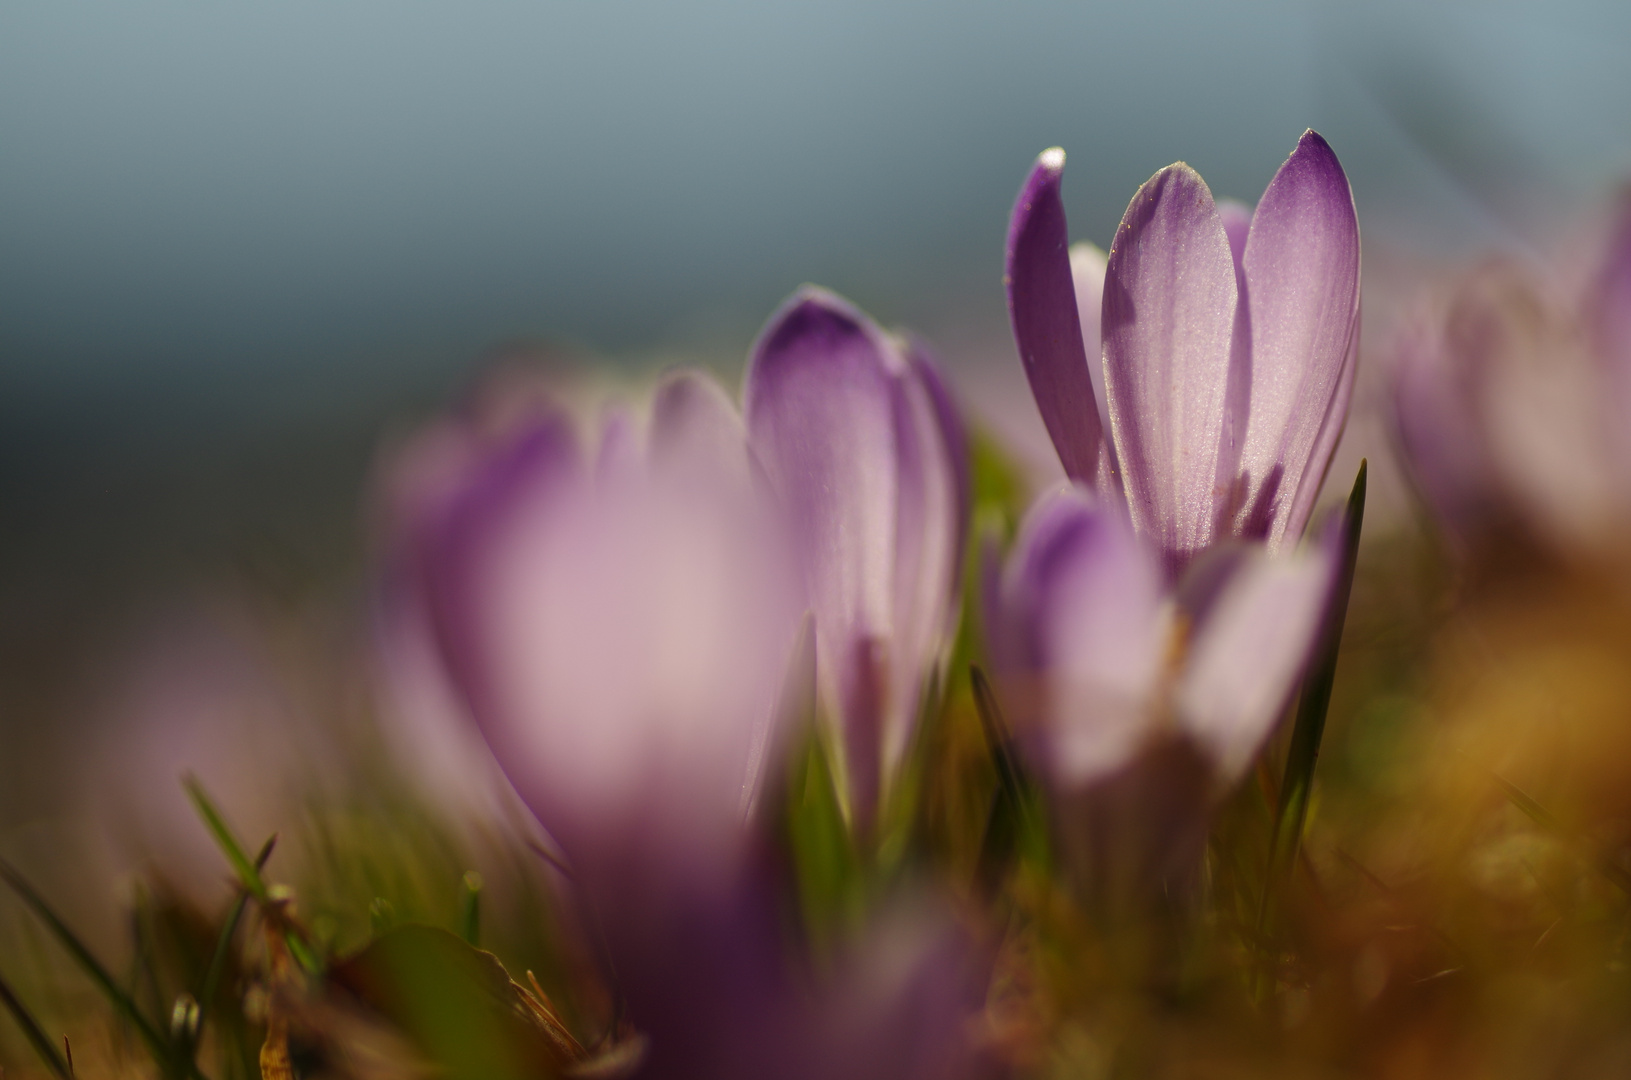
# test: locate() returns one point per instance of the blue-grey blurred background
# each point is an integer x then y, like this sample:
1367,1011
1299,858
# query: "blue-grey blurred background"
239,242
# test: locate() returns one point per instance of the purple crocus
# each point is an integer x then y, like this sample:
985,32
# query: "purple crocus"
1116,681
619,624
857,433
618,628
1511,399
1227,340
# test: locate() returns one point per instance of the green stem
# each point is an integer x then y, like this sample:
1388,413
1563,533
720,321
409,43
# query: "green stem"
1312,706
223,943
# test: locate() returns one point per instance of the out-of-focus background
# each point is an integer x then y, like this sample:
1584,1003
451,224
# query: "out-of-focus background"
243,246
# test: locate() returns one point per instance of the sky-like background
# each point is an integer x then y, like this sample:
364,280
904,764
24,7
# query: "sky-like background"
247,209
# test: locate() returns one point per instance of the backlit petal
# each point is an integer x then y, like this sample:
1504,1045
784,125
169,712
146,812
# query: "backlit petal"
1169,323
1250,649
1301,268
1047,327
1086,597
823,415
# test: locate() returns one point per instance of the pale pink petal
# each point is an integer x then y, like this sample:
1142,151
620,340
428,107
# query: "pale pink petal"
1170,299
1250,649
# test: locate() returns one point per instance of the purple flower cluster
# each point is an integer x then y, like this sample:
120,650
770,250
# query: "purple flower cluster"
620,615
1195,384
1510,398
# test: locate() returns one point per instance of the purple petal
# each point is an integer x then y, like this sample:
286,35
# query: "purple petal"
1441,386
706,980
1325,444
1087,273
696,430
1609,320
619,644
952,431
1237,223
619,457
928,547
1085,598
1047,327
1609,302
1432,419
1250,649
537,464
1169,335
900,1003
1546,416
1302,288
821,402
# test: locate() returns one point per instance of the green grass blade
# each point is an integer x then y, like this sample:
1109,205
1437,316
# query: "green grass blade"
1006,822
248,873
32,1031
470,909
1312,706
223,943
156,1044
1315,701
997,739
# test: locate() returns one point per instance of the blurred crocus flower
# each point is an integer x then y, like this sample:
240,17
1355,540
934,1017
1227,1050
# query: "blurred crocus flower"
1512,399
619,624
1109,672
1202,371
858,434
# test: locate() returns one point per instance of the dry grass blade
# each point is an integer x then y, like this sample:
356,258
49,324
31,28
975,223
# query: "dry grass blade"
1537,813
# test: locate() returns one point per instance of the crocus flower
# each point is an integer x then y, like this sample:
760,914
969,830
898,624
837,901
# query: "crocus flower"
1227,340
858,434
1511,400
1107,670
619,626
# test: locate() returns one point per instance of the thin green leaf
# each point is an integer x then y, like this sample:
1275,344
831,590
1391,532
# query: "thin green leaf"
1007,818
826,865
223,943
32,1031
248,873
1312,706
121,1001
470,909
1009,778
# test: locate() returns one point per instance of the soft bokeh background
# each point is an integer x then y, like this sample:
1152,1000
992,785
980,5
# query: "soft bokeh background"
241,246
